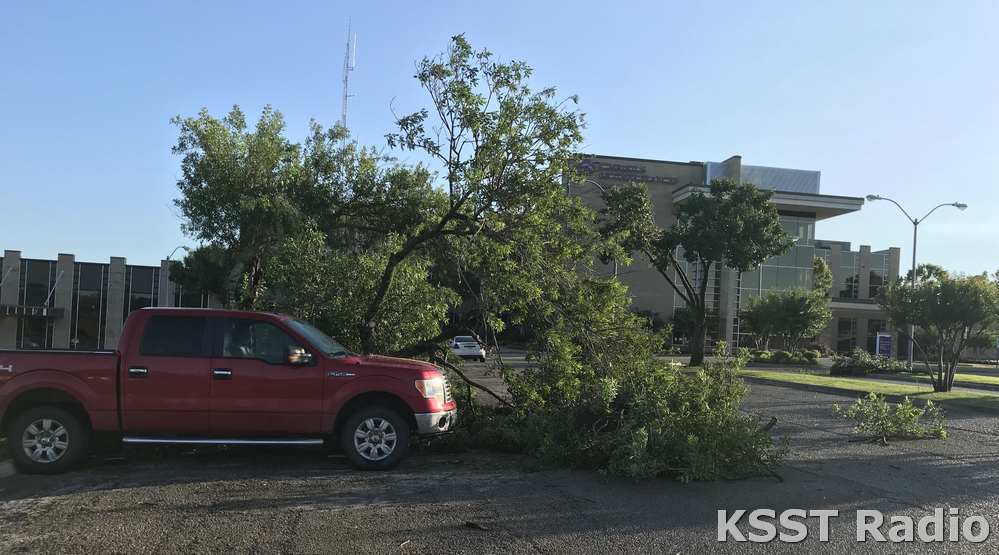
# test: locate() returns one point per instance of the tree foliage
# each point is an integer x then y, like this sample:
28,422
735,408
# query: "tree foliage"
237,191
465,251
733,224
793,315
947,312
925,272
396,258
822,277
600,399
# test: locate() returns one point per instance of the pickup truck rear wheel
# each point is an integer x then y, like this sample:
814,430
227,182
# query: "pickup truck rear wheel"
375,438
47,440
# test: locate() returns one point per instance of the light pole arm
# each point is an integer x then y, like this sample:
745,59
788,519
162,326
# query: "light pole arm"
934,210
912,221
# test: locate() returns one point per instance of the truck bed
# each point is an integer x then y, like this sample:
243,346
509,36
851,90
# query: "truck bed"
90,377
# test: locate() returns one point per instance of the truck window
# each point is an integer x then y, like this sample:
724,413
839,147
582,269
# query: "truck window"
174,336
255,339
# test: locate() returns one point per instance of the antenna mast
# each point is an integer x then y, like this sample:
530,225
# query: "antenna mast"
348,66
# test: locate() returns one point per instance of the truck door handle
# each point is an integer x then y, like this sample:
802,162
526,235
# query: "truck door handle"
222,373
138,372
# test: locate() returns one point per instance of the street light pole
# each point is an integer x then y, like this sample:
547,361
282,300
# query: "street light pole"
602,190
174,251
915,229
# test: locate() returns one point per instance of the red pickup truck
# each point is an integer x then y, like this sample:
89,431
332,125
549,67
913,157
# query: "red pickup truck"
201,376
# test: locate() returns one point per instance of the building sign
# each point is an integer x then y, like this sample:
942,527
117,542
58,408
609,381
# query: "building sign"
621,172
884,344
30,311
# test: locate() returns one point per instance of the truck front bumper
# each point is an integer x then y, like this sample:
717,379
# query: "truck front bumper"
430,423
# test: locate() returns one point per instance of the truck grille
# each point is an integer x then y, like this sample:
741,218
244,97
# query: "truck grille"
447,389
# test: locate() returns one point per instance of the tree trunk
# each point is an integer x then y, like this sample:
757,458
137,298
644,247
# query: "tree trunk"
943,380
697,340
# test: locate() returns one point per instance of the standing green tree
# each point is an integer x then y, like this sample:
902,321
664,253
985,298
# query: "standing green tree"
794,315
471,250
733,224
761,318
802,314
822,278
926,272
947,312
501,148
236,194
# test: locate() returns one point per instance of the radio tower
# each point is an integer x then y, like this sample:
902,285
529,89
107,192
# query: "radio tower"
348,66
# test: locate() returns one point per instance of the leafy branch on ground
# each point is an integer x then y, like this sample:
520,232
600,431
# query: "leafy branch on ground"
881,420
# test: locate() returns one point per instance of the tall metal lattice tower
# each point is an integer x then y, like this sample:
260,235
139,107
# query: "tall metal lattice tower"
348,66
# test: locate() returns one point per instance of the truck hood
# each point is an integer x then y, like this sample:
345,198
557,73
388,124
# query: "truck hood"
395,363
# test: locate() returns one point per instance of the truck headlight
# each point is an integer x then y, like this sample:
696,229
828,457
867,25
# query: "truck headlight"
432,388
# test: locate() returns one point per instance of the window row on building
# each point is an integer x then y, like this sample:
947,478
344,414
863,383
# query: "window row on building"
65,304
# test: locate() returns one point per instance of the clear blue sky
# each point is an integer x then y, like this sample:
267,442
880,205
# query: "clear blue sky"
897,98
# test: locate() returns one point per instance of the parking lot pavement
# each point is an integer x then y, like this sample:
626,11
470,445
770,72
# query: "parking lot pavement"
302,501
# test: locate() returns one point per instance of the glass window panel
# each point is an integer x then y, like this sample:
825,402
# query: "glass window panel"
142,280
769,277
803,256
174,336
88,308
34,333
36,282
255,339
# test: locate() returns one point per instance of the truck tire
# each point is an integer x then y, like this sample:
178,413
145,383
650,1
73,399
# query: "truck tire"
47,440
375,438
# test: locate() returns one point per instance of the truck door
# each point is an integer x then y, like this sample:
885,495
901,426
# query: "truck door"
165,380
256,391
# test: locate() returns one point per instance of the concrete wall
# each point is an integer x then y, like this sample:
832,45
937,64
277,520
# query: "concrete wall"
167,288
63,300
8,296
648,288
116,302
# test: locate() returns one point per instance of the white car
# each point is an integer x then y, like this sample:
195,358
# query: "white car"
466,346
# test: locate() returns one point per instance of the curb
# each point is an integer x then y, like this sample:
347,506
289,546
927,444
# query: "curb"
834,390
965,385
7,469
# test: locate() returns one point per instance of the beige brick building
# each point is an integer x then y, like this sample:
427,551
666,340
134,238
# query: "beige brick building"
857,275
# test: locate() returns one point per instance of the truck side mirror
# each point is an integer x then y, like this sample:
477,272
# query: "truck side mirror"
298,356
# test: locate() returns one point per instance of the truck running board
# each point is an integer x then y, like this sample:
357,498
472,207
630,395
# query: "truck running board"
221,441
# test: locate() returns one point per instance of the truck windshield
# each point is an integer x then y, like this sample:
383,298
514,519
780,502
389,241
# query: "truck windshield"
319,340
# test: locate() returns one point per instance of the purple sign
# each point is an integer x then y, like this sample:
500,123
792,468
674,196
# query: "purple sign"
884,345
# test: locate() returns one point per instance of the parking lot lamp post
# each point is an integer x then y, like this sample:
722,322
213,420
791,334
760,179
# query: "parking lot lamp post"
915,228
602,190
174,251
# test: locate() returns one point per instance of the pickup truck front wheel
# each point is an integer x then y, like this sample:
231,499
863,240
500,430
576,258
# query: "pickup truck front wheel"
47,440
375,438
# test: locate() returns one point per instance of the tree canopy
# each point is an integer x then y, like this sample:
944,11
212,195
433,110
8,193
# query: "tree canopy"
349,238
947,312
794,315
733,224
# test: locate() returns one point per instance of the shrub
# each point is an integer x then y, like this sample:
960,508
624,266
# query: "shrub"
877,418
823,350
721,348
781,357
861,362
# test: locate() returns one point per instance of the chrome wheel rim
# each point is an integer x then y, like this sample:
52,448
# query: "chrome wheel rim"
375,439
45,441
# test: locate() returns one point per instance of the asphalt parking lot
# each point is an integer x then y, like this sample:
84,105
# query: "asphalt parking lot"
301,501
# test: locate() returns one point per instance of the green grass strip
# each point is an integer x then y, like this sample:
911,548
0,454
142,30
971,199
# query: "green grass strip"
973,399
